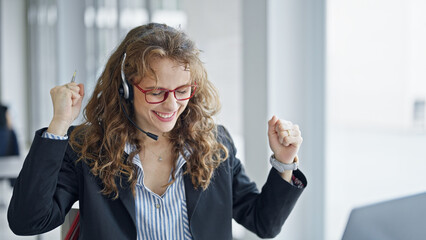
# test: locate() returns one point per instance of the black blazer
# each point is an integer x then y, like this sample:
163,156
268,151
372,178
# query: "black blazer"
50,182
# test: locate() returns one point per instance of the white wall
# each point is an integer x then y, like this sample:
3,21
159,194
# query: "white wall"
215,26
376,58
416,71
284,67
296,83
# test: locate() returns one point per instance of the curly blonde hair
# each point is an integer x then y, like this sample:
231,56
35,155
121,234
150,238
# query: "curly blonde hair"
101,139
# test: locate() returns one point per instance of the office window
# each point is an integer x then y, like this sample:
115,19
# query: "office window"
375,71
107,22
102,33
43,64
170,12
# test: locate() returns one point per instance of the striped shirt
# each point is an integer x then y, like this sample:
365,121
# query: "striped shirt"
161,217
157,217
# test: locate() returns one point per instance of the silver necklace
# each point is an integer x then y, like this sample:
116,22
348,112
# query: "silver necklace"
159,158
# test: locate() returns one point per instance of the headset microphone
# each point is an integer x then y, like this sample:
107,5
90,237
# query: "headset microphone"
126,92
151,135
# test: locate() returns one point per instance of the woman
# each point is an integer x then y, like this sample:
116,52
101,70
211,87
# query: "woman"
149,162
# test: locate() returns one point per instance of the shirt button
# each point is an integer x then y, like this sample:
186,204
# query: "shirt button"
157,205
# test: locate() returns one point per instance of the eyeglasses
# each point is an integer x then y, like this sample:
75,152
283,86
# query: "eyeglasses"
159,95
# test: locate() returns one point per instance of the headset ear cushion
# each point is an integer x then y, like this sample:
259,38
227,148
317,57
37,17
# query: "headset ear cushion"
121,91
126,91
130,98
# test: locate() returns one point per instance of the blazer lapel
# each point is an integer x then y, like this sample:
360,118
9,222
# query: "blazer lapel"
192,195
126,196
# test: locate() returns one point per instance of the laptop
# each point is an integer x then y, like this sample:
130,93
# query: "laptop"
398,219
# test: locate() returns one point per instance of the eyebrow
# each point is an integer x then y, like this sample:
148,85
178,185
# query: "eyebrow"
150,88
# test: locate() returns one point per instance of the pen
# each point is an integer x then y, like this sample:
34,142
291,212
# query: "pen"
73,76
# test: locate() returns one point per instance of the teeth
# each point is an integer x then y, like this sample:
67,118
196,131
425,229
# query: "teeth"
164,115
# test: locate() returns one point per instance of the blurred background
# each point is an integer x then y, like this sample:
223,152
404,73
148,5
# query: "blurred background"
351,73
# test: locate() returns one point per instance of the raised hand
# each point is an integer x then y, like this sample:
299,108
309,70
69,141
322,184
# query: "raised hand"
284,139
66,101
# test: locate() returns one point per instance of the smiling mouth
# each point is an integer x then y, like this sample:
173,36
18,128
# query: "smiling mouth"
165,116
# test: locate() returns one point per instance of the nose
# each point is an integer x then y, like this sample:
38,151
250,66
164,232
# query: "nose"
170,103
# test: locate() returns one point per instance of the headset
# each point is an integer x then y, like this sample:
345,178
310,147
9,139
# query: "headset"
126,92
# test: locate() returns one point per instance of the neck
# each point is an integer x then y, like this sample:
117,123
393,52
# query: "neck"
162,144
145,139
159,152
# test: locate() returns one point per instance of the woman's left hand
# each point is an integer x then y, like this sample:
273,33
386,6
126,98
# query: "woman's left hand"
284,139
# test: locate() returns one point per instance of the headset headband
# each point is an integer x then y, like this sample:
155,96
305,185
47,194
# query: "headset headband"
126,91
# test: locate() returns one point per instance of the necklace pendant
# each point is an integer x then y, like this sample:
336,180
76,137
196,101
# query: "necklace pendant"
160,159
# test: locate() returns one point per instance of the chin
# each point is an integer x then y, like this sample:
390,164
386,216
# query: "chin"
166,128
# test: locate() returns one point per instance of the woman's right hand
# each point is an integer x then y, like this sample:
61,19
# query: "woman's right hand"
66,101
